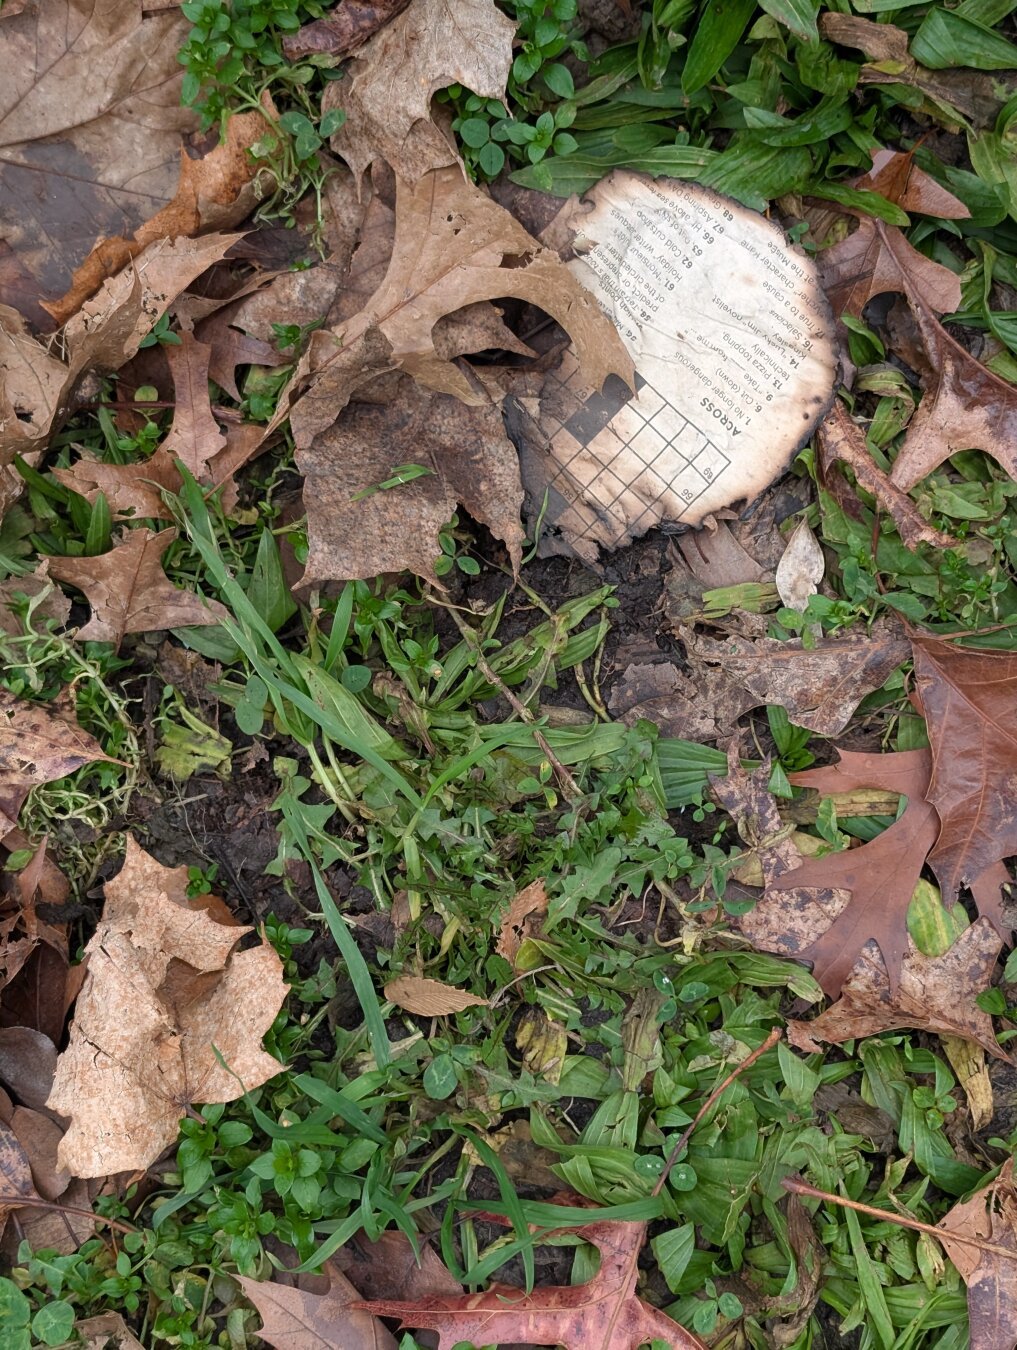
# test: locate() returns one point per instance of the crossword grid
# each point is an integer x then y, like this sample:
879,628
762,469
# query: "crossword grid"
596,429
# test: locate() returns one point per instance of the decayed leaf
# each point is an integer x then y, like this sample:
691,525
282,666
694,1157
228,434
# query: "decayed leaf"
934,994
991,1277
106,1331
451,243
168,1015
818,686
214,192
346,28
39,742
795,1307
355,530
878,258
130,593
523,914
132,491
90,128
964,406
36,388
388,1268
969,699
840,438
15,1172
194,438
387,97
299,1319
429,998
603,1314
699,709
46,600
801,568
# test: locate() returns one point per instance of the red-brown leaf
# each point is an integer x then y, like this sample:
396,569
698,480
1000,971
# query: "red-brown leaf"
604,1314
991,1277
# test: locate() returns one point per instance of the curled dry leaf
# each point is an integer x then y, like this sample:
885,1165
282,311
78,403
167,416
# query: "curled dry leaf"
300,1319
429,998
90,130
452,244
39,742
36,388
604,1313
214,192
801,568
129,592
991,1277
524,913
969,699
387,97
346,29
169,1015
840,438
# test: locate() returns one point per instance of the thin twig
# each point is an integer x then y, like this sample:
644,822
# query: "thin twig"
944,1235
718,1091
23,1202
565,780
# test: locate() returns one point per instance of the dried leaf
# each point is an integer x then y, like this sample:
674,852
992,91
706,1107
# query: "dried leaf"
964,406
169,1015
795,1307
15,1172
801,568
934,994
841,438
194,438
298,1319
40,1137
819,686
214,192
604,1313
429,998
132,491
36,388
694,709
969,698
991,1277
355,530
346,29
27,1064
388,1267
387,96
108,1331
129,592
48,601
90,128
519,921
450,246
39,742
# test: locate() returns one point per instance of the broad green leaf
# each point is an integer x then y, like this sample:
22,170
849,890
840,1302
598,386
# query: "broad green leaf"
797,15
719,30
946,39
673,1250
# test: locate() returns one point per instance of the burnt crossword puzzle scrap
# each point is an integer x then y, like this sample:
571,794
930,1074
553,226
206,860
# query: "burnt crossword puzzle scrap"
617,445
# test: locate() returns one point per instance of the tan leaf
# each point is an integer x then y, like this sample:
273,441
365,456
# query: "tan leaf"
300,1319
132,491
429,998
214,192
801,568
471,462
130,593
991,1277
387,96
39,742
169,1015
104,1332
46,600
36,388
451,243
519,919
40,1137
90,128
194,438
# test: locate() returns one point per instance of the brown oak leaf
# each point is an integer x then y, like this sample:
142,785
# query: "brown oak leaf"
194,438
129,592
387,96
296,1318
39,742
603,1314
346,29
969,699
991,1277
169,1014
132,491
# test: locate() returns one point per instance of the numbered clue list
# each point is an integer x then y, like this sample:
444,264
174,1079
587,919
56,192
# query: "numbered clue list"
734,351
